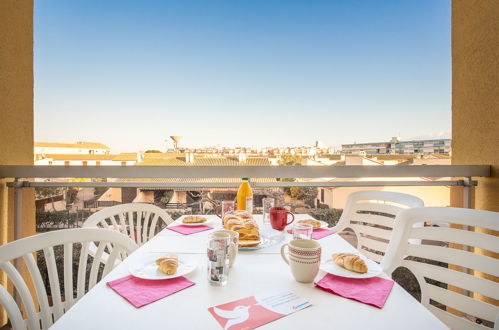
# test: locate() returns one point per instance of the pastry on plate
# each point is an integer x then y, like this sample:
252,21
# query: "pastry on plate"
194,219
245,225
350,261
314,223
168,264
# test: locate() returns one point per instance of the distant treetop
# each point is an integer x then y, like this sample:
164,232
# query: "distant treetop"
290,160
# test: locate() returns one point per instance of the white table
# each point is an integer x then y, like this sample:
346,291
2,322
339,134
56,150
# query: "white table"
253,272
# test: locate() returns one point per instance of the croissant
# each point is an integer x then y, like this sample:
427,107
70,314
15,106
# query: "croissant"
168,264
350,261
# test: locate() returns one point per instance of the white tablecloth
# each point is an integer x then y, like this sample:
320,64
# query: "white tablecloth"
254,272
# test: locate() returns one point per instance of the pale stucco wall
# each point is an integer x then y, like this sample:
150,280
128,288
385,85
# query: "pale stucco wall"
16,110
475,92
431,196
16,102
16,82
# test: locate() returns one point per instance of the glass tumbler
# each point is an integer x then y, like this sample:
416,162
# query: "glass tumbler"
302,231
218,254
224,207
267,204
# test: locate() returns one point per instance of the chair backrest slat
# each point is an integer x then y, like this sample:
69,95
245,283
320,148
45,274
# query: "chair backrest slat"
143,233
452,256
136,220
82,270
453,277
110,262
448,318
41,293
114,224
123,224
68,276
375,232
378,205
373,256
23,290
152,226
94,271
453,235
55,288
371,215
373,244
372,219
456,267
14,313
40,311
462,303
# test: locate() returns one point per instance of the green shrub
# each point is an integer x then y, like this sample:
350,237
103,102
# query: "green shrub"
331,216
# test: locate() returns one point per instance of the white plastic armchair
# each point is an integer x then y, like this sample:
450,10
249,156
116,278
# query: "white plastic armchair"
39,313
370,215
138,221
429,262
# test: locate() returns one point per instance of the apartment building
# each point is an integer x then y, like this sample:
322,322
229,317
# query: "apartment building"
78,148
397,146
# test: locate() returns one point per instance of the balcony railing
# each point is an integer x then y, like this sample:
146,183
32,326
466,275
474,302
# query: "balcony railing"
317,176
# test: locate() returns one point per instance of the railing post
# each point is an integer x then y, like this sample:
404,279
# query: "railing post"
467,193
18,229
18,209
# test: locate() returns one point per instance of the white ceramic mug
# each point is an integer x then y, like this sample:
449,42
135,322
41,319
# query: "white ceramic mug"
234,239
304,259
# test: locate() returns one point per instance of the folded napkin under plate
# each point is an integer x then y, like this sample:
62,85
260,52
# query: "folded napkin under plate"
187,230
140,292
372,291
318,233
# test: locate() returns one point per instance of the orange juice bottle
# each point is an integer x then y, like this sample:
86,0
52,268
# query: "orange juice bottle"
245,196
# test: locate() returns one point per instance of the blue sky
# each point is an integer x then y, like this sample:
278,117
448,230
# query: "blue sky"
253,73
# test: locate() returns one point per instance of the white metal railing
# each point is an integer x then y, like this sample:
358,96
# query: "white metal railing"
352,171
455,175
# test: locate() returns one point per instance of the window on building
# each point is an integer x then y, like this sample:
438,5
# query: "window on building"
322,195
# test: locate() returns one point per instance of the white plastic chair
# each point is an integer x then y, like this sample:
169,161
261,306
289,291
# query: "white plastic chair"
136,220
39,313
370,215
400,249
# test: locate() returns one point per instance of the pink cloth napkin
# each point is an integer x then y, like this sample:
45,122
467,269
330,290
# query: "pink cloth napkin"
140,292
321,233
187,230
318,233
372,291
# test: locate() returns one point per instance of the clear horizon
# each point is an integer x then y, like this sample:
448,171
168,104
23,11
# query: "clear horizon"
130,74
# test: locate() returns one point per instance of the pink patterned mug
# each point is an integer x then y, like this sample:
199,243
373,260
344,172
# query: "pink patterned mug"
304,259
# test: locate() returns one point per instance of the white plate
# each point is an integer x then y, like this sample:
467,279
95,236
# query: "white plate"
268,237
147,268
324,224
208,222
373,269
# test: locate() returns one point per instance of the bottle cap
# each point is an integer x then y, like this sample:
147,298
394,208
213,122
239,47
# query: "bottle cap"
245,179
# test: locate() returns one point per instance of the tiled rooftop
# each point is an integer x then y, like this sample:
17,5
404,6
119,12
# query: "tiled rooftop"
85,145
